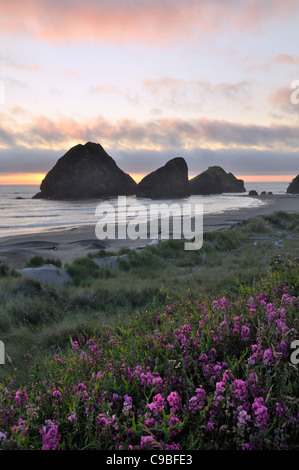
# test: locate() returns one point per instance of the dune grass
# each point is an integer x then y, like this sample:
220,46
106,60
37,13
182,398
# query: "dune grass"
159,273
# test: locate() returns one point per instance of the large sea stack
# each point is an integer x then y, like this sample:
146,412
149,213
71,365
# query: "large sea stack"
216,181
84,172
169,181
293,187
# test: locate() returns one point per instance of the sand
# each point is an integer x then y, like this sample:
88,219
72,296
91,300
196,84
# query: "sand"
69,243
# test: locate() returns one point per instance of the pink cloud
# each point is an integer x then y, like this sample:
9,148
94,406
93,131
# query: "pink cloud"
281,99
280,59
134,20
19,66
286,59
104,88
163,133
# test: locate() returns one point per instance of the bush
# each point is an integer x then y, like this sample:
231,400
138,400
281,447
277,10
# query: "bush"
37,261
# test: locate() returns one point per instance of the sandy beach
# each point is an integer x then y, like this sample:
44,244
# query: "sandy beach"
69,243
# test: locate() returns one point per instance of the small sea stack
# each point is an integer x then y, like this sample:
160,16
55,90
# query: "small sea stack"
215,180
169,181
293,187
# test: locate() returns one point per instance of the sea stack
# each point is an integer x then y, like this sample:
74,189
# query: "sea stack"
293,187
169,181
84,172
216,181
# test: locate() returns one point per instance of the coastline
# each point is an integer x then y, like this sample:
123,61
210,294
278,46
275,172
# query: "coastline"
68,243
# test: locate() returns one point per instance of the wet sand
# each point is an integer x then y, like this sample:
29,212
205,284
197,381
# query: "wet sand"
69,243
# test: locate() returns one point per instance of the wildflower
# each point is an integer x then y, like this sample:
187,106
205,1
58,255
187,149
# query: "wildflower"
210,427
128,405
193,405
279,410
245,333
268,357
21,397
150,422
56,394
21,427
260,412
246,447
174,422
148,442
236,325
50,437
102,422
240,389
172,446
72,417
200,395
157,404
174,401
257,354
243,416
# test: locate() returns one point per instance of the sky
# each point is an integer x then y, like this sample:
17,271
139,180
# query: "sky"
215,82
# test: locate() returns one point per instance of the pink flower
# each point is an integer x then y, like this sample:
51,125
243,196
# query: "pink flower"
157,404
174,401
72,417
50,436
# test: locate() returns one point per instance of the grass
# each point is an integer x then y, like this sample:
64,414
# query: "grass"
199,373
151,277
37,261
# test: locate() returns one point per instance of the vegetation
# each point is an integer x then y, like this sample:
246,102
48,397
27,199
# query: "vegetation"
174,350
37,261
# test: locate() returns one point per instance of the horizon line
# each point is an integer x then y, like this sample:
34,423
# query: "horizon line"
35,179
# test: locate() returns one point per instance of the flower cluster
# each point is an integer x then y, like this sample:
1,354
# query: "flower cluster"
200,373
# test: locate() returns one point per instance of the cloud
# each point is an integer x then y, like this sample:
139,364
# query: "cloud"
281,99
159,134
20,159
194,94
147,21
104,88
239,161
278,60
286,59
19,66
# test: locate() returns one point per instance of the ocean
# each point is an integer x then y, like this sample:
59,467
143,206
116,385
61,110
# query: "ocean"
20,214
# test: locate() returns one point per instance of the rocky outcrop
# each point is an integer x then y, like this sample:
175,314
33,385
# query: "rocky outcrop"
253,192
293,187
216,181
169,181
86,171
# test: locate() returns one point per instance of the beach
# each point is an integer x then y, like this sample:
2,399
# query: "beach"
68,243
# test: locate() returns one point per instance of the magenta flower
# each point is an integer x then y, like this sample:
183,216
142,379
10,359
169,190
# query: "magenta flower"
50,436
157,404
174,401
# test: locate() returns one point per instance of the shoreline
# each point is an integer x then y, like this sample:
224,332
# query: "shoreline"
68,243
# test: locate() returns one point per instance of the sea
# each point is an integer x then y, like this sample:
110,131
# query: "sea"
20,214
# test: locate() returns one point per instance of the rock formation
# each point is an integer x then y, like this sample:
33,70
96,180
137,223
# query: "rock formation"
253,192
169,181
216,181
86,171
293,187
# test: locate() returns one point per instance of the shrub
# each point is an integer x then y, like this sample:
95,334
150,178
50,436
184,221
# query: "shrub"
37,261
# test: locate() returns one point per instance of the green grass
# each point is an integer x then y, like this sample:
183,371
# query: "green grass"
44,315
37,261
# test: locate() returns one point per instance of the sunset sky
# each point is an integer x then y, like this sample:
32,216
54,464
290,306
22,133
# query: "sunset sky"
150,80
